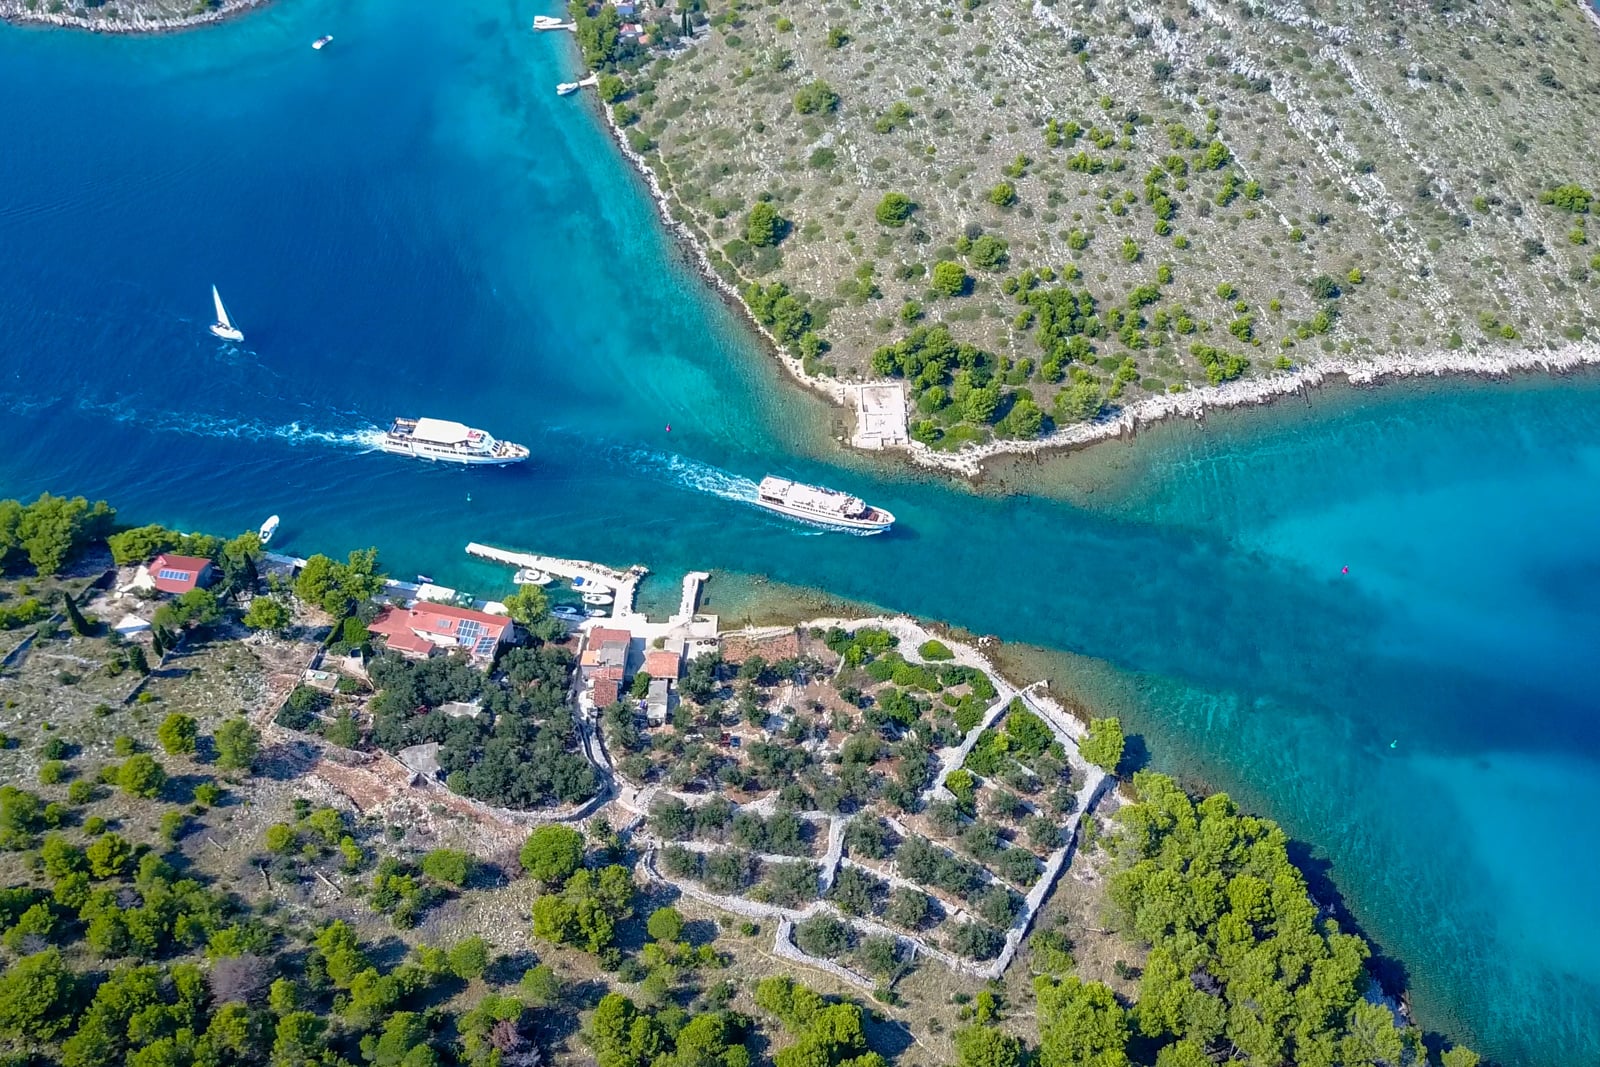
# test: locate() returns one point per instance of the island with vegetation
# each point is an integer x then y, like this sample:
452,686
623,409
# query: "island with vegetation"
124,16
239,830
1046,220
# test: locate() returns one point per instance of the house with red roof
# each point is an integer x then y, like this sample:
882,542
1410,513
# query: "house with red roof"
423,629
662,663
172,573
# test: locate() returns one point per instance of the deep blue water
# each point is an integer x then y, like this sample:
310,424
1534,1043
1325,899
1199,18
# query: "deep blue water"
410,222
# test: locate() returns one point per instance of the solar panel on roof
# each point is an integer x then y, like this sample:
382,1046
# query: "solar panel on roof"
176,576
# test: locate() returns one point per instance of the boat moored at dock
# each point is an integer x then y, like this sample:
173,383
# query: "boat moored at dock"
568,88
826,507
450,442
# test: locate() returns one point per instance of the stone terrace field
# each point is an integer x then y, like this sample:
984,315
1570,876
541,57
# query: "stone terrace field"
1240,188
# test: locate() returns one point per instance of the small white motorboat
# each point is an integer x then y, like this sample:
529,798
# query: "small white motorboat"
224,327
321,42
548,22
596,613
598,598
530,576
566,611
580,584
568,88
268,528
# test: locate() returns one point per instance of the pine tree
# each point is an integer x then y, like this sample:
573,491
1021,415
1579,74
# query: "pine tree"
137,661
75,619
156,645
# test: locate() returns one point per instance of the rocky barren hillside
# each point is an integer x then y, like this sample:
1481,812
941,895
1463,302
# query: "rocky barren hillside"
1103,201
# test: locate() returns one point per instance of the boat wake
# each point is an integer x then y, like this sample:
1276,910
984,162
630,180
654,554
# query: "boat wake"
692,474
216,426
190,424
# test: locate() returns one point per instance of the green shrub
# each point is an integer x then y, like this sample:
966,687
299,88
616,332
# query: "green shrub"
894,209
817,97
950,279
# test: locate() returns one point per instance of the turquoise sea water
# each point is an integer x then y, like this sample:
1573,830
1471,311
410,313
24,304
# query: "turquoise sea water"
410,222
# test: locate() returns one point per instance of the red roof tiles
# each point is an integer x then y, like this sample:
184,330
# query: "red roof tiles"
659,663
420,629
172,573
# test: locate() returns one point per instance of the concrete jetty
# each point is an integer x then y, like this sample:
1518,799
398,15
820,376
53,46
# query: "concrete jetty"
692,582
624,585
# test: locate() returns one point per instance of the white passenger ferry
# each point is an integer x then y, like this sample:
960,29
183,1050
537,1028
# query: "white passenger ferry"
450,442
826,506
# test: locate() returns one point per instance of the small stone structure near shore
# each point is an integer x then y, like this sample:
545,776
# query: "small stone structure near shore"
880,415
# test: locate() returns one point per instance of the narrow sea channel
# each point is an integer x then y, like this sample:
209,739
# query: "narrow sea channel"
410,222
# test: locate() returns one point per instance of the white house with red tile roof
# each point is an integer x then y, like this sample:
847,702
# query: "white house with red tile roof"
172,573
423,629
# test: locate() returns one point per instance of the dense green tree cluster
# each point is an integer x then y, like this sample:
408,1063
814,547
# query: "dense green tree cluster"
1221,366
861,645
625,1035
826,1034
519,751
50,531
340,588
1065,322
1239,956
587,909
599,34
1022,739
780,310
196,609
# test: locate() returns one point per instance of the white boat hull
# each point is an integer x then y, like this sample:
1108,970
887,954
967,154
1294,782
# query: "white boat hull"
837,523
227,333
401,448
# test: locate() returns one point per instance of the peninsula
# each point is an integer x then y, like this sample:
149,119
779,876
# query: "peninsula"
1037,223
256,801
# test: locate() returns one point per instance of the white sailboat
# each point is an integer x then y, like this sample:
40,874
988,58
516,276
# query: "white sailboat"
224,327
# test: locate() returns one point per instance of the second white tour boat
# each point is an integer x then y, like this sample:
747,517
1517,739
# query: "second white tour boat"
828,507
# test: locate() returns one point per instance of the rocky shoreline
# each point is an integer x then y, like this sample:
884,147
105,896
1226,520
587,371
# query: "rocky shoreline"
135,21
830,388
1194,404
